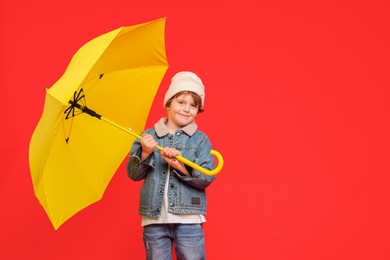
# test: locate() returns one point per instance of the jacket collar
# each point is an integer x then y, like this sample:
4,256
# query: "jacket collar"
162,130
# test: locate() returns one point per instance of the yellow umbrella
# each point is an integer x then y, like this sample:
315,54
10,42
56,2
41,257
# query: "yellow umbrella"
72,155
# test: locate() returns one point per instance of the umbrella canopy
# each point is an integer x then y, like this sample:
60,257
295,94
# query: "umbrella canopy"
72,155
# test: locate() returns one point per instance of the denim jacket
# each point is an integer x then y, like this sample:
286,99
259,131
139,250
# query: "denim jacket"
186,194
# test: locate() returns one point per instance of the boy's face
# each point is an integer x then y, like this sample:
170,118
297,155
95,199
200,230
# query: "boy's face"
182,111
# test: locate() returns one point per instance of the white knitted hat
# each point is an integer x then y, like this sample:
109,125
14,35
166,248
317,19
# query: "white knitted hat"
185,81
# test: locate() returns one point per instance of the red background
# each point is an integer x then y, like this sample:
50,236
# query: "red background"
297,101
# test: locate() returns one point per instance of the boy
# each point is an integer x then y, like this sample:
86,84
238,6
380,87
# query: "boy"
172,197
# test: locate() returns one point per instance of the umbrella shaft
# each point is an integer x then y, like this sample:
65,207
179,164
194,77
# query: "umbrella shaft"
179,157
121,127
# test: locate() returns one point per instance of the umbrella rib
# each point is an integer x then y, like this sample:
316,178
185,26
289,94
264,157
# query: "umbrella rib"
70,129
80,96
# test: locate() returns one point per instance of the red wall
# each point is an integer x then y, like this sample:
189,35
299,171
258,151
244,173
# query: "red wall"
297,101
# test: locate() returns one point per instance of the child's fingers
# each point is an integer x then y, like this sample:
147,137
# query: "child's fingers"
148,141
170,152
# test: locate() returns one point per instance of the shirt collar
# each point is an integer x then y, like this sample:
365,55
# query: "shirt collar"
161,128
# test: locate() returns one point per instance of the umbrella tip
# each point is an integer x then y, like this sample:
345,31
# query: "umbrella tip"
45,89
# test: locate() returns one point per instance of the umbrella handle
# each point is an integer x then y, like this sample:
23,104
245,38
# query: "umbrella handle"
196,166
190,163
201,169
179,157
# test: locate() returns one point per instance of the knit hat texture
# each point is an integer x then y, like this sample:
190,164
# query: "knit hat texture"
185,81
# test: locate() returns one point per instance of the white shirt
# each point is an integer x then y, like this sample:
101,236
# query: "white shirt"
169,218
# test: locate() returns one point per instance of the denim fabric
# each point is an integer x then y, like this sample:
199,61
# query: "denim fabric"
188,240
186,194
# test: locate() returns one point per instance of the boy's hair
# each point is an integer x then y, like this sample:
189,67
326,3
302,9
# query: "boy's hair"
196,97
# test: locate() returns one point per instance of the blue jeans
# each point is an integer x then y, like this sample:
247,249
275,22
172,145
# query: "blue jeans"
188,241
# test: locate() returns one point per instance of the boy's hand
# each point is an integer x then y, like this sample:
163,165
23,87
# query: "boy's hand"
148,144
169,155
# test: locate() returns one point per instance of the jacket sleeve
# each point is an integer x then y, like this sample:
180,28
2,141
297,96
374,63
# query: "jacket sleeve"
137,169
203,159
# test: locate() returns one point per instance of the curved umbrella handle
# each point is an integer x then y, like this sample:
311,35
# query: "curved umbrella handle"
196,166
180,158
192,164
201,169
